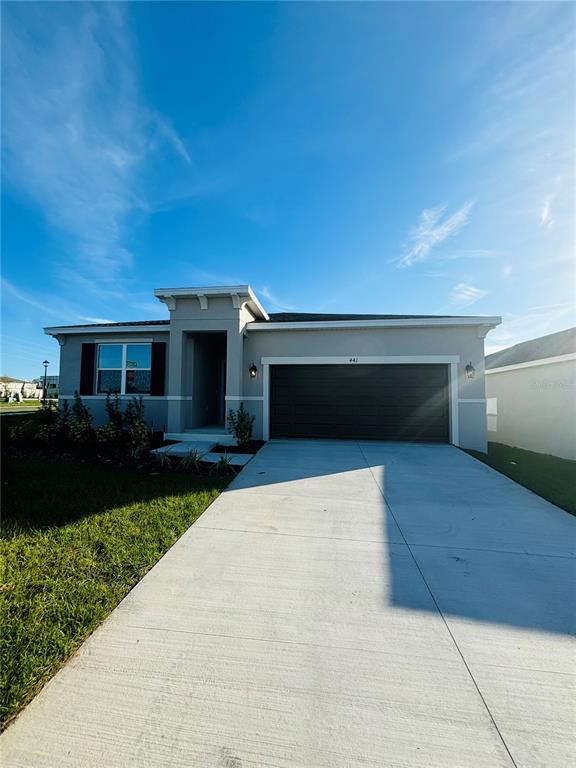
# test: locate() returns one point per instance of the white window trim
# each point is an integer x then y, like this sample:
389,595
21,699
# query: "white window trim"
451,360
123,370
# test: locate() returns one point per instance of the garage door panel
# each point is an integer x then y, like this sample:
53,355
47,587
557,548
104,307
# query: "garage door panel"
391,402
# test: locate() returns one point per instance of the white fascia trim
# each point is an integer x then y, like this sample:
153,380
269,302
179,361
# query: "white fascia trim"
235,292
532,363
88,329
327,325
360,360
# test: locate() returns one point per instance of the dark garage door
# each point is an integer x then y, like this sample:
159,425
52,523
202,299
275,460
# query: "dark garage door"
380,402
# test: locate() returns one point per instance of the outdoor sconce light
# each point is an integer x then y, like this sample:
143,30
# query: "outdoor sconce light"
470,371
253,371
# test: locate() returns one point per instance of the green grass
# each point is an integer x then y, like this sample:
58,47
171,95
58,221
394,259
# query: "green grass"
24,405
550,477
76,539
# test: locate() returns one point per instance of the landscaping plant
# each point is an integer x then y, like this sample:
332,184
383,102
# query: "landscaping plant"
241,423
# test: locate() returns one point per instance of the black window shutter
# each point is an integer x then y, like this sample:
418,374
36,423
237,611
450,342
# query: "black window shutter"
87,369
158,373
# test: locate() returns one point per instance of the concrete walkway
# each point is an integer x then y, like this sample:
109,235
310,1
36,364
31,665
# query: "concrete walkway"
303,622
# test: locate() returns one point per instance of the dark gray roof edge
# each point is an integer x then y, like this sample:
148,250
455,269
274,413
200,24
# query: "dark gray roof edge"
279,317
117,325
310,317
551,345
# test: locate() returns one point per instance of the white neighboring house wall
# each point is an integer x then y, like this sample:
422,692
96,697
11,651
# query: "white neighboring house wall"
532,405
20,388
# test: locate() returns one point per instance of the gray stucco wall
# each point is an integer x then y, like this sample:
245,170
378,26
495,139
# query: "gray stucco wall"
446,341
70,357
175,411
534,408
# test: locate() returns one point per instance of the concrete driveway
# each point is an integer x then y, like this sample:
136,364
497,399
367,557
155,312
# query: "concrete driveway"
342,604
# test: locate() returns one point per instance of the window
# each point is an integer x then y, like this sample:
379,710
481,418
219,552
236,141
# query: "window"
124,369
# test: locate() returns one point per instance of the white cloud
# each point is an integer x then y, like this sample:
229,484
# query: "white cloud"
76,133
434,227
55,310
274,300
546,219
98,320
465,294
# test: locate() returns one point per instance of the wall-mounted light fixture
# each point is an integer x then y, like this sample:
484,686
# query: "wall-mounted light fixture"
253,371
470,371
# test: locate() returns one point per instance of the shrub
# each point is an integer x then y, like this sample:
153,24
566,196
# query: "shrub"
240,423
63,418
223,465
80,427
165,460
107,434
136,428
191,460
79,411
115,417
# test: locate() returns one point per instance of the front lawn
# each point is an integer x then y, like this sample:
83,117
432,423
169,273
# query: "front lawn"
25,405
548,476
76,538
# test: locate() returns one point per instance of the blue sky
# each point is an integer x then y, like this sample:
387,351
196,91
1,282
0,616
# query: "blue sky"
361,157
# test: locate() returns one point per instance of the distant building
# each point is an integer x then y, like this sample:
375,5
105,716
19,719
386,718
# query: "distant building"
531,395
17,389
51,386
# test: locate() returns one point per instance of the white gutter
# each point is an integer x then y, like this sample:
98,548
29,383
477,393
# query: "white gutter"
390,323
56,330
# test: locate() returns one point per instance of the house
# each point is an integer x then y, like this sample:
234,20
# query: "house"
531,395
17,389
302,375
51,386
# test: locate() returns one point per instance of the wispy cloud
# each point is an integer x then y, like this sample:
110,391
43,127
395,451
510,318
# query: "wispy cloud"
99,320
546,219
76,132
435,226
464,294
55,310
273,300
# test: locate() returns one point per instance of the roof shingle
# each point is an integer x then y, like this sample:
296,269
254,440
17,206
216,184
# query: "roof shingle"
552,345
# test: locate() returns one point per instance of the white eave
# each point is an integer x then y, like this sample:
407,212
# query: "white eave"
486,323
240,295
61,330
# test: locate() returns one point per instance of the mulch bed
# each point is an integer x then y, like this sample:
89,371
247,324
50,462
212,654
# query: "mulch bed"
252,447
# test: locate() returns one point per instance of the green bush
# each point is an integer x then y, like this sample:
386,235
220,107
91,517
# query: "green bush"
136,428
241,423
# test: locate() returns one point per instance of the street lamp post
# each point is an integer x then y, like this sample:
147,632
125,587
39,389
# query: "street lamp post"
45,364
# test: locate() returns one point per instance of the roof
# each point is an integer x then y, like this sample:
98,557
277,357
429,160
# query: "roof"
552,345
298,320
312,317
115,325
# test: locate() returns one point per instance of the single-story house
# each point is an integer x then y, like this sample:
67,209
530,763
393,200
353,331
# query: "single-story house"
531,395
17,388
302,375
